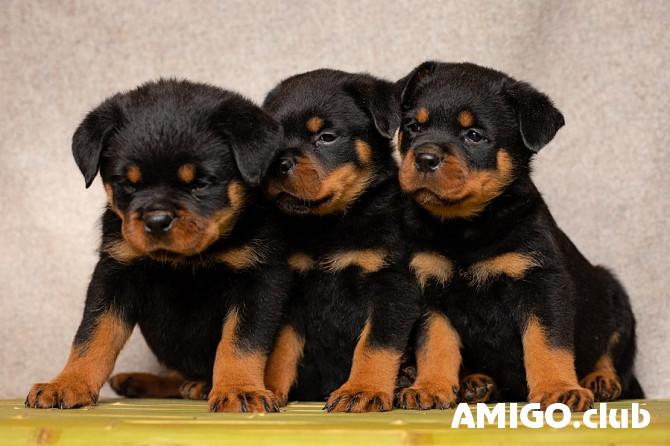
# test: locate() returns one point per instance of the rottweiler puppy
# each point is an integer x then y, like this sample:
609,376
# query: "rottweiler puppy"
507,293
354,301
189,248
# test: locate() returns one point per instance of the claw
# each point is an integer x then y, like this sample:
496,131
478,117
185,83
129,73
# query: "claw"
215,407
355,399
380,404
576,403
243,402
266,406
37,397
27,404
334,405
417,398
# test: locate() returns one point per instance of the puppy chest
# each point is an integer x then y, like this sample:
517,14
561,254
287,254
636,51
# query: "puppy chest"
482,275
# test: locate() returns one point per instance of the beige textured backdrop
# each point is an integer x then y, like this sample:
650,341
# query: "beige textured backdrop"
605,176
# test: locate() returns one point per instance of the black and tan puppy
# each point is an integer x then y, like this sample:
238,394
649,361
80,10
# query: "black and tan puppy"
354,297
187,251
503,284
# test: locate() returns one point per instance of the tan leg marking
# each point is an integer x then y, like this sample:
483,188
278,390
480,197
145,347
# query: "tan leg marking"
371,381
282,369
238,379
146,385
550,371
438,362
603,381
86,370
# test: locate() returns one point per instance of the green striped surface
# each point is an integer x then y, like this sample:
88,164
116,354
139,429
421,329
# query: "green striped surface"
180,422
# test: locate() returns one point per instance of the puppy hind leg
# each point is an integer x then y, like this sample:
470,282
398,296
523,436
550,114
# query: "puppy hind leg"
147,385
603,381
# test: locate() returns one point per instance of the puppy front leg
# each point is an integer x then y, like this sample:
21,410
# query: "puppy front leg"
238,379
438,361
550,370
91,361
101,336
282,367
394,309
371,380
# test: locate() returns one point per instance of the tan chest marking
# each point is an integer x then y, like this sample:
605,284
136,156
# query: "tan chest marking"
301,262
369,260
512,264
121,251
429,266
244,257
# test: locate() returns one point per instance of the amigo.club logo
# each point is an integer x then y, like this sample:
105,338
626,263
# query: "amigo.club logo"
557,415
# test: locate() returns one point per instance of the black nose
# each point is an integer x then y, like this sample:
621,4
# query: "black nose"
426,161
158,222
285,165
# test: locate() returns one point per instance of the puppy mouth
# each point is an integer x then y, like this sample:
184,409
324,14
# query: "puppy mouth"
164,255
425,196
299,206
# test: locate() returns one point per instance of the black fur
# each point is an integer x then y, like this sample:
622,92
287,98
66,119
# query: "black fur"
580,305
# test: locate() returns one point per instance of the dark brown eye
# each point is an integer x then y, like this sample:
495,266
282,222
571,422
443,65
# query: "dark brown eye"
327,137
474,136
414,127
199,186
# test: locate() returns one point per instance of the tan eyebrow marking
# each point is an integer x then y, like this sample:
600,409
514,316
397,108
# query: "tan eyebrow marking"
465,118
422,116
186,173
134,174
314,124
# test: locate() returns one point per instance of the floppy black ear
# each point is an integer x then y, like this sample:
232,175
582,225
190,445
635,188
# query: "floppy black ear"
377,97
406,86
91,136
254,137
538,119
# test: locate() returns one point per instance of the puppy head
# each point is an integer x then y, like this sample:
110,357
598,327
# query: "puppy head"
467,132
176,159
337,132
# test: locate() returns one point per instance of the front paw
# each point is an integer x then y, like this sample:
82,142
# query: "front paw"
578,399
280,397
247,399
61,393
605,387
477,388
353,400
424,397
